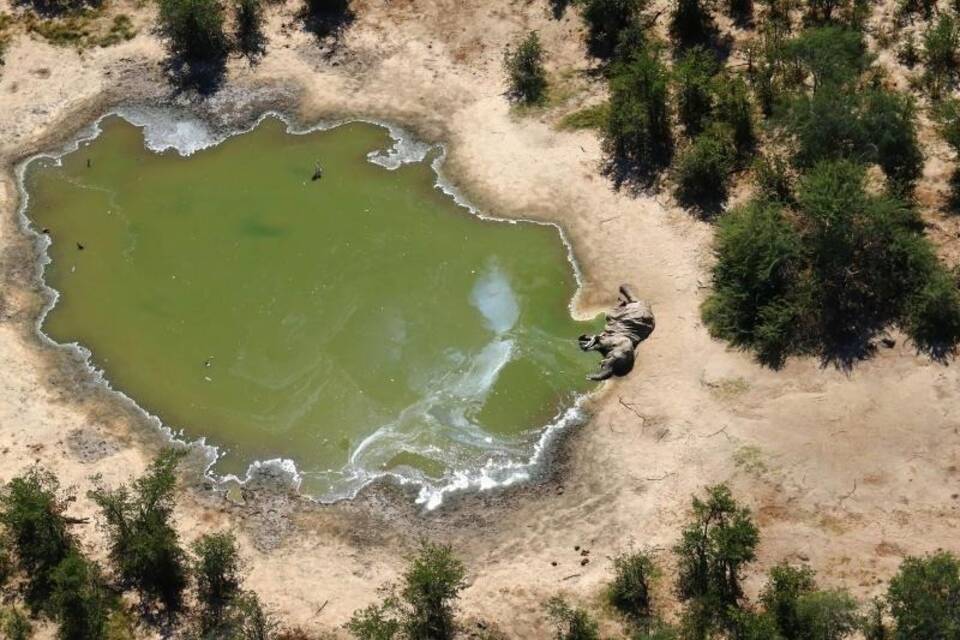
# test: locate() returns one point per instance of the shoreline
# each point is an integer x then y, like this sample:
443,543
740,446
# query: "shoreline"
406,148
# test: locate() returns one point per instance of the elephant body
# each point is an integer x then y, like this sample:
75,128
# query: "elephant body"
627,325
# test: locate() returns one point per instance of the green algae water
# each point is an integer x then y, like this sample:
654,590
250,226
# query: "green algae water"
357,325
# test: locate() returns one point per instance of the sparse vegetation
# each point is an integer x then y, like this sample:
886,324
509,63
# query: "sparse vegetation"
144,547
422,607
526,76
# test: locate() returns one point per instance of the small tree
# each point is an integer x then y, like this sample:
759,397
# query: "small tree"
15,625
606,21
423,609
939,53
780,597
735,111
631,591
703,169
571,623
248,15
524,66
194,29
711,555
637,135
32,512
693,75
827,615
217,572
79,599
771,175
924,598
144,547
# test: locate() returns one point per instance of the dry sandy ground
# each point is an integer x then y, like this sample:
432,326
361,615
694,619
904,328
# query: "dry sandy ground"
849,471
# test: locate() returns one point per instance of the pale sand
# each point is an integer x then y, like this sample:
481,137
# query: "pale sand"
850,471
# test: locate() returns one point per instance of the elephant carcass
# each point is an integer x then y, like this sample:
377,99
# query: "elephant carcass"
627,325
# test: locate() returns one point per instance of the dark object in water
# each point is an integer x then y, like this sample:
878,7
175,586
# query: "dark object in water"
79,247
45,231
317,172
89,163
628,324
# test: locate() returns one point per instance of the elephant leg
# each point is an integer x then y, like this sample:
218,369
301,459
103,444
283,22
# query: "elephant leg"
605,372
626,295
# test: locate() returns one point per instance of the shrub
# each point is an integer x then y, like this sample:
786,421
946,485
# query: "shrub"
780,597
217,572
827,615
939,53
924,597
637,134
606,22
194,29
79,599
248,15
592,117
909,53
754,280
735,111
772,178
712,552
749,625
631,590
831,55
15,625
423,608
525,72
703,169
890,131
693,76
31,511
571,623
144,547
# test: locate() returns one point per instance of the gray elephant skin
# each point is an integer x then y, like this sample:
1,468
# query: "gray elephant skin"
628,324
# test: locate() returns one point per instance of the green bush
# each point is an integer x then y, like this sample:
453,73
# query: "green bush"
713,550
772,178
750,625
939,53
15,625
924,597
527,78
32,513
79,599
631,592
703,169
216,569
571,623
693,78
194,29
890,131
423,609
780,597
144,547
755,280
827,615
832,56
843,265
606,22
638,134
733,108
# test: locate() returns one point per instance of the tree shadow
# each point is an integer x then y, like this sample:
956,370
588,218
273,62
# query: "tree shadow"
205,77
558,8
53,8
635,177
252,45
327,24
